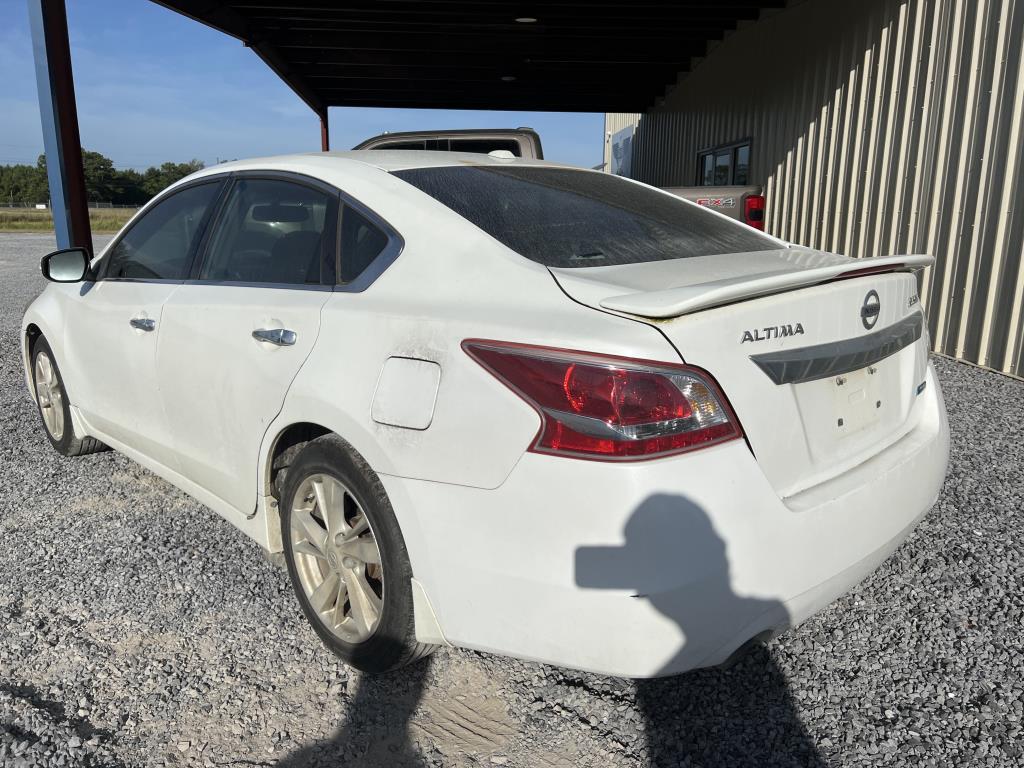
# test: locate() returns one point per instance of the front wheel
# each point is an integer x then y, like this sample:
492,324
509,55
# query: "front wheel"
52,401
347,559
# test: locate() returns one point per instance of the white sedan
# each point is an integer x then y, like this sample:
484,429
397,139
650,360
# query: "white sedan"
503,404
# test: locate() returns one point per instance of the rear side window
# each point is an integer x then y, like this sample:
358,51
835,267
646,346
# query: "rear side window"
562,217
455,144
271,231
159,245
402,145
483,146
361,242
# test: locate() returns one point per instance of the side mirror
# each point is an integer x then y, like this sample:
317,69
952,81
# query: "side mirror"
67,266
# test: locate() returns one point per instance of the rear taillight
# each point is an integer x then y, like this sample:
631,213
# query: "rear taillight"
753,211
599,407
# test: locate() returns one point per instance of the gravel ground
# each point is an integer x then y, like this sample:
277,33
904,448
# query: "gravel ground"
138,628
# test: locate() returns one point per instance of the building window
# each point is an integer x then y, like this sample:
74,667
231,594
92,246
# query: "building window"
724,166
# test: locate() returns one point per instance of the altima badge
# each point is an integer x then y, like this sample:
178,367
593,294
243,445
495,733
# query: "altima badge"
772,332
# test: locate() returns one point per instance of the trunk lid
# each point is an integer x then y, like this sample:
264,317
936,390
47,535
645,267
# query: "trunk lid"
821,356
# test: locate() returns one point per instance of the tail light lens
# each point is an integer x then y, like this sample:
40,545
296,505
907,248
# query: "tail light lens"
753,211
599,407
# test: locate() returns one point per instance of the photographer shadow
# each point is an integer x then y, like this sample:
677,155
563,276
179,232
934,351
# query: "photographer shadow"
376,732
740,716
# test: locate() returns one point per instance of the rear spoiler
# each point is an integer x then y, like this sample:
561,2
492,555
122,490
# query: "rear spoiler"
673,302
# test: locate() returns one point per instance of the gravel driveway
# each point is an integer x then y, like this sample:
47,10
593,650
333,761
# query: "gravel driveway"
138,628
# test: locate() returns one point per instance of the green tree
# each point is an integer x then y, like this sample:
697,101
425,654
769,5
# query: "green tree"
157,179
101,178
22,184
103,182
132,188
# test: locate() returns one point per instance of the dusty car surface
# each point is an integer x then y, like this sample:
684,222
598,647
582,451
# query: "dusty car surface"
503,404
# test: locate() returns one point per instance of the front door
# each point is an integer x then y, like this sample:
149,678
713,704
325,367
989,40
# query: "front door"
233,340
113,326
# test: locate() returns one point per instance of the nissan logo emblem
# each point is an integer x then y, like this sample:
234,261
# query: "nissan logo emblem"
870,310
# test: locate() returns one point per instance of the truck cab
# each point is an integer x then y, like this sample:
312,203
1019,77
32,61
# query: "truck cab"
520,142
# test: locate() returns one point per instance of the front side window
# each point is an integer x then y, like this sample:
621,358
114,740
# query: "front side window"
561,217
361,242
271,231
159,245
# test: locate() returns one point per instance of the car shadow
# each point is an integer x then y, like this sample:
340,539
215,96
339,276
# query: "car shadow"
740,716
376,732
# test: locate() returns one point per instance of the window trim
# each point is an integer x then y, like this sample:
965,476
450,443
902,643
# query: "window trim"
389,253
327,263
731,146
103,266
329,268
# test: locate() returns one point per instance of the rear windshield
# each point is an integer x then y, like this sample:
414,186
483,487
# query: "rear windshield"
561,217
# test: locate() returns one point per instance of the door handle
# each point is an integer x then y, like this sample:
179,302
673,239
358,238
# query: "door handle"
143,323
279,337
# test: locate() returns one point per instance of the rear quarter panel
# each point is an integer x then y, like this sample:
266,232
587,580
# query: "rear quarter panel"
451,283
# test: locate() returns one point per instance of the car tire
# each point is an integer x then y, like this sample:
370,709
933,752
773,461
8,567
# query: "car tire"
52,401
340,588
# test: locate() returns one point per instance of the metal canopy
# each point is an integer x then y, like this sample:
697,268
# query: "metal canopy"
561,56
566,56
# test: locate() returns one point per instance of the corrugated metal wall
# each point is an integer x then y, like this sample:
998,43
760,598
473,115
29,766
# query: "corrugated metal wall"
878,127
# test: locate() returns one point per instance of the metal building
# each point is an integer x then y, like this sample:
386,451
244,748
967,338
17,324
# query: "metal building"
875,127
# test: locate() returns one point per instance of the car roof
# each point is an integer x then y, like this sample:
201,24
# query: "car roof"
388,160
365,175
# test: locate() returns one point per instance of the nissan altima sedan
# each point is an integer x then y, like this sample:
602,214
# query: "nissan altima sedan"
503,404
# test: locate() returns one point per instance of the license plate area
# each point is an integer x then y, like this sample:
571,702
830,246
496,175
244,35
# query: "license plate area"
857,400
854,419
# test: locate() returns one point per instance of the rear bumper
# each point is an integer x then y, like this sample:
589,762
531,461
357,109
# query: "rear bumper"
653,568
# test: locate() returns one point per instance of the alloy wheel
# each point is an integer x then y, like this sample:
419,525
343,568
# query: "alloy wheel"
337,558
50,396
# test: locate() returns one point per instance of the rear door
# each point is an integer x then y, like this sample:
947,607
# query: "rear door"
234,337
113,327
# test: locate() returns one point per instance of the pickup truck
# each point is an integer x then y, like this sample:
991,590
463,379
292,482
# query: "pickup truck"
743,203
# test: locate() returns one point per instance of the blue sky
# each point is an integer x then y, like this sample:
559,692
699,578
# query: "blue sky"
153,86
